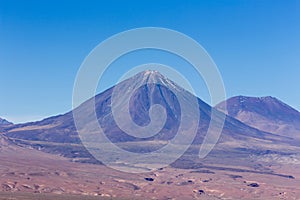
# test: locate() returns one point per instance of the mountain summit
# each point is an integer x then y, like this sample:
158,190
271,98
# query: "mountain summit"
4,122
152,76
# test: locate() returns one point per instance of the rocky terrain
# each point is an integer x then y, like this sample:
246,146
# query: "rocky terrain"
33,174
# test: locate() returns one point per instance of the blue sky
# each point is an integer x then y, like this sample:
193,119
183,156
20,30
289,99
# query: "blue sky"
255,44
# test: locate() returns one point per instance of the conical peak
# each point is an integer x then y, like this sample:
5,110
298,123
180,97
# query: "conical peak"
150,71
152,74
153,77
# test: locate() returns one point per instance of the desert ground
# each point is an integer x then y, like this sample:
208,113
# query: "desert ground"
32,174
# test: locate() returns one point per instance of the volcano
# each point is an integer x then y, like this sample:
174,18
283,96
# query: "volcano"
153,88
265,113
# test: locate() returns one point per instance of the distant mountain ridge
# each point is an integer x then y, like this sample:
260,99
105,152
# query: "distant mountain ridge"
4,122
265,113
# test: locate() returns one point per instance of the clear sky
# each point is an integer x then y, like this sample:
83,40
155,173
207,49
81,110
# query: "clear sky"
255,44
